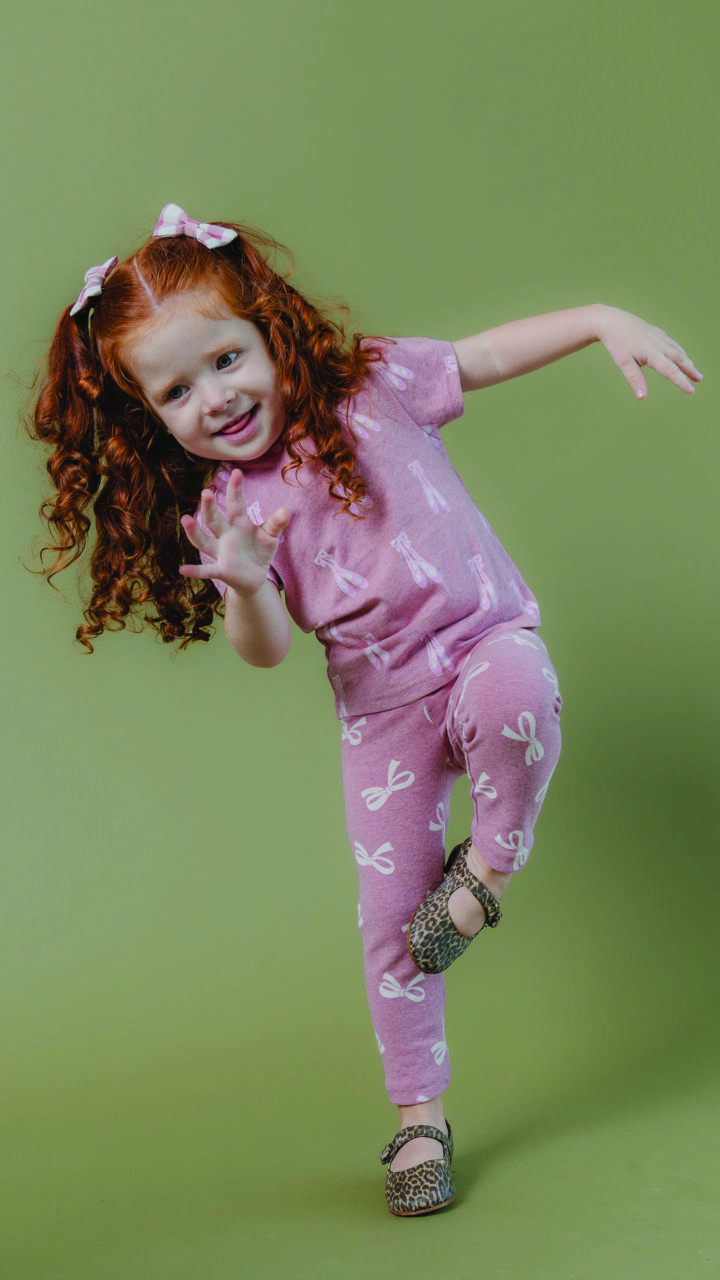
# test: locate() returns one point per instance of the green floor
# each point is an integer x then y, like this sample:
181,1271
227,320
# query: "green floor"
192,1185
173,1129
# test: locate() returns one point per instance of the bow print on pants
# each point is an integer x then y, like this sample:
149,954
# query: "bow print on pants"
516,842
346,579
439,1052
418,567
518,638
441,824
526,725
484,787
541,794
375,797
435,498
384,865
392,989
351,732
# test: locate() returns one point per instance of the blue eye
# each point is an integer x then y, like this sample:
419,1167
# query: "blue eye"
227,360
176,393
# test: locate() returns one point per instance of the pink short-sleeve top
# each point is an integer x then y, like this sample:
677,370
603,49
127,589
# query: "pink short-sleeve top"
400,596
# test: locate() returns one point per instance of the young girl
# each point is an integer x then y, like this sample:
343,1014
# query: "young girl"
193,393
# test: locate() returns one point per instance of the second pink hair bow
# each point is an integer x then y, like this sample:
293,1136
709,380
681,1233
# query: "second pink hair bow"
94,281
174,221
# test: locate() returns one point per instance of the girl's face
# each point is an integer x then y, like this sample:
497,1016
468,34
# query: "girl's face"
209,379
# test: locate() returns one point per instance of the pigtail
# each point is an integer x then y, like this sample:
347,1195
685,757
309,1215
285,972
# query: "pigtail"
64,418
317,373
113,466
149,483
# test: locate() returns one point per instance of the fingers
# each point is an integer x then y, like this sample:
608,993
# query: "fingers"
278,521
683,362
633,343
234,499
677,367
215,522
197,535
672,370
197,570
671,362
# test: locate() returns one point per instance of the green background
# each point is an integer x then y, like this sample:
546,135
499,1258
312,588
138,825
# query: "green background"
191,1085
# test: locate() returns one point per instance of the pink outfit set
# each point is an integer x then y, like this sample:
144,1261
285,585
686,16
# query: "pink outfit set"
437,668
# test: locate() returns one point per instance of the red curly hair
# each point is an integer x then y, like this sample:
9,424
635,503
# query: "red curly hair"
112,457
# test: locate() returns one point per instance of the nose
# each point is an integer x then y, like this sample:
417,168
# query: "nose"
216,396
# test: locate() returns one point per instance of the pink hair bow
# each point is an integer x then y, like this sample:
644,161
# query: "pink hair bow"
94,281
174,221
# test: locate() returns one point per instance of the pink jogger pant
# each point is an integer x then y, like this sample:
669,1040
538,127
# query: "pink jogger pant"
499,724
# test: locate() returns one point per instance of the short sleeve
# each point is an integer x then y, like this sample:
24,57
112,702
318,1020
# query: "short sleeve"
424,378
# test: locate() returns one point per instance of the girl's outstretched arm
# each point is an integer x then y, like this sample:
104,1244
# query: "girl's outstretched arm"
523,345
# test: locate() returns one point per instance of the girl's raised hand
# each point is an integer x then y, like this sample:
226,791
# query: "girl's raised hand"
633,342
241,551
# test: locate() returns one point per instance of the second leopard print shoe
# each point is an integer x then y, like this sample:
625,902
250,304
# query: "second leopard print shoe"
426,1187
433,941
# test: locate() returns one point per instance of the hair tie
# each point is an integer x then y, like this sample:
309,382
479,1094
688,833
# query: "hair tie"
94,281
174,221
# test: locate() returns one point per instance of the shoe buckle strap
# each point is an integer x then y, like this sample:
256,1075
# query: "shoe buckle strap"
407,1134
458,868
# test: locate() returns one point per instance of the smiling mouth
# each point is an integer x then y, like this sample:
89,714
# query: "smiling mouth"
238,425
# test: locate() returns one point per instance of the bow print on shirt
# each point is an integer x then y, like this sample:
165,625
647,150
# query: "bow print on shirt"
486,586
363,425
418,567
375,797
396,375
354,507
255,516
375,653
435,498
526,725
527,603
438,660
346,579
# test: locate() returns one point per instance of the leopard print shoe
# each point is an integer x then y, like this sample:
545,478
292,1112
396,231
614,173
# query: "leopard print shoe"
426,1187
433,941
